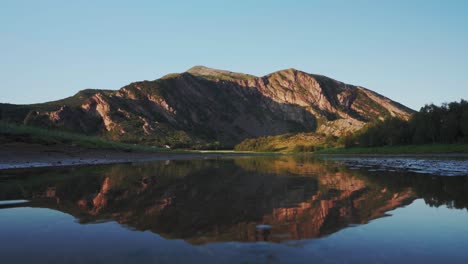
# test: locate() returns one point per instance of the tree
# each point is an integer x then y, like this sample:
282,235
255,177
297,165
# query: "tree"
447,123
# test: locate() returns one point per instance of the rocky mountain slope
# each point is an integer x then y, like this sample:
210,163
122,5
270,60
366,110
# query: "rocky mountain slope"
209,106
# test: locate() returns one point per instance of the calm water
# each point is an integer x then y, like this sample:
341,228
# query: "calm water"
242,210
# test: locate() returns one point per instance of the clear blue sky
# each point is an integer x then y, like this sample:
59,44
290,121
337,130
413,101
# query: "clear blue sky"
414,52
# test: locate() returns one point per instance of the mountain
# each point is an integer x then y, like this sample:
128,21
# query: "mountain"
204,105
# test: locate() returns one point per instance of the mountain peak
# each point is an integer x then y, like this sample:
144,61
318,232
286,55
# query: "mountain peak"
210,73
200,68
287,71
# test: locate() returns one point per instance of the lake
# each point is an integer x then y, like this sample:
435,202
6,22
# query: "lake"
283,209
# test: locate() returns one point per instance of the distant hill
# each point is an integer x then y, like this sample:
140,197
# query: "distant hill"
209,106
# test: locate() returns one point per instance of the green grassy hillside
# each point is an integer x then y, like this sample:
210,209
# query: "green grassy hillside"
289,143
10,133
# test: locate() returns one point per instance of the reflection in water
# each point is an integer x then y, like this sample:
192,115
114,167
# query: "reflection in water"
242,199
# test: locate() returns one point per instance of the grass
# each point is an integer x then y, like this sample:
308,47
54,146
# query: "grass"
402,149
286,143
10,133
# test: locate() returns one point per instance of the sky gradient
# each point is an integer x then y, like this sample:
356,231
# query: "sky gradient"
414,52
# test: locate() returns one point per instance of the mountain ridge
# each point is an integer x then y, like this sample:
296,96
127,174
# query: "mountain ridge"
205,106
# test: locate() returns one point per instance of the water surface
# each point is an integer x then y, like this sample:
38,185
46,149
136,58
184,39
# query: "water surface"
293,209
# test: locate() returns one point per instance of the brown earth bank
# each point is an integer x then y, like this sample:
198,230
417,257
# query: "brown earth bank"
23,155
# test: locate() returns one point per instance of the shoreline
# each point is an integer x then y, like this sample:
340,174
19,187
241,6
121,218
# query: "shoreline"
23,156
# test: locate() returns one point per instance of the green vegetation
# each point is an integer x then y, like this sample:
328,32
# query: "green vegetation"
18,133
291,143
447,124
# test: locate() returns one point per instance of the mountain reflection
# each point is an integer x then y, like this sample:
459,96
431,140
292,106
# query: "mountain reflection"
242,199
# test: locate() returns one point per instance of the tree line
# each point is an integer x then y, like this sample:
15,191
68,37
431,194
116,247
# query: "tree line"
433,124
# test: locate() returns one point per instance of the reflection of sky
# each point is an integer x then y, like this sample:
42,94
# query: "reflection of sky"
436,234
416,233
11,202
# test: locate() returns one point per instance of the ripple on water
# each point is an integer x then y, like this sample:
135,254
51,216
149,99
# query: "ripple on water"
433,166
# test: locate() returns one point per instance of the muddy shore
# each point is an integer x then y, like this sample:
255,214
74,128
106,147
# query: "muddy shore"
21,155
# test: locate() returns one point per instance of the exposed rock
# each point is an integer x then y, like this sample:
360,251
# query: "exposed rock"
99,105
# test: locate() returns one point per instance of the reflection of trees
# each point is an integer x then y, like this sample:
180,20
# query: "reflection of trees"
222,200
436,191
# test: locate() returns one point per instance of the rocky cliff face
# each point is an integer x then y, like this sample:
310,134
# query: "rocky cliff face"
207,105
